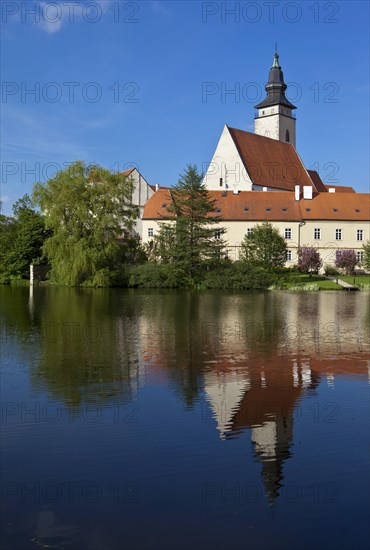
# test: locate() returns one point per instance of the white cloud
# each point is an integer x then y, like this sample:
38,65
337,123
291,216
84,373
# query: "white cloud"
54,15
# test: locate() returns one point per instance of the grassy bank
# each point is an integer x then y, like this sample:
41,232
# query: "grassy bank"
294,280
362,281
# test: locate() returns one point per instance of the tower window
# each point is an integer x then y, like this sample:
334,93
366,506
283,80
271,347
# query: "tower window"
287,137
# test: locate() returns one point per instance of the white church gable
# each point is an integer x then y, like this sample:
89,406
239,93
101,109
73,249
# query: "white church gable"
226,170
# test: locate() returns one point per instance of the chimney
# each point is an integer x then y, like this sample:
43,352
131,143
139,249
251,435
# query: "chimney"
157,186
297,192
332,190
307,192
264,188
236,192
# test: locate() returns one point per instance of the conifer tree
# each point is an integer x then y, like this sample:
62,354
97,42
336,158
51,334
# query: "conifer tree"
190,236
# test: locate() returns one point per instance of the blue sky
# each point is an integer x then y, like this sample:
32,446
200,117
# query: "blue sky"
145,84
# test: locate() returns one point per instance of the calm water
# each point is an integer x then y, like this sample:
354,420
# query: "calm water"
177,420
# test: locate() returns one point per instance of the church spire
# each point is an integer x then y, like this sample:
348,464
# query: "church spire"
275,118
275,87
276,59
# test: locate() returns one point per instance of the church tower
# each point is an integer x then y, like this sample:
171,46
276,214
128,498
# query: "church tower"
275,117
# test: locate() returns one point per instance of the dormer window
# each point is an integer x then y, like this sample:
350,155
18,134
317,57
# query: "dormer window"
246,209
268,209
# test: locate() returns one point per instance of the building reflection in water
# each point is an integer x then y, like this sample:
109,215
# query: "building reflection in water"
253,356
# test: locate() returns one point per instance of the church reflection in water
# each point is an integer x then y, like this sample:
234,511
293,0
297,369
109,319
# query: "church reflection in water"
253,357
263,395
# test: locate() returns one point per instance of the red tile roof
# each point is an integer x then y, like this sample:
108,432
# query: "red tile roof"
273,206
337,206
340,188
270,162
317,181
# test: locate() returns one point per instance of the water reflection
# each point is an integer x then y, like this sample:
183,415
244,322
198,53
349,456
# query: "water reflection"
253,357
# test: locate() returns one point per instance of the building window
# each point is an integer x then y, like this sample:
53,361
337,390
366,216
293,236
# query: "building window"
288,255
218,234
249,230
338,234
317,234
288,233
150,232
360,234
221,182
287,137
360,256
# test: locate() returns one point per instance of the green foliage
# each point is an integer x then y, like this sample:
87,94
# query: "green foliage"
330,270
237,276
366,260
187,237
87,208
21,240
264,247
228,275
152,275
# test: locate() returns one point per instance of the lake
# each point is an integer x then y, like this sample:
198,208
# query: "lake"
142,419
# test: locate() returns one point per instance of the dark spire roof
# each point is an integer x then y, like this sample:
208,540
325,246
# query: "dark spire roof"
275,87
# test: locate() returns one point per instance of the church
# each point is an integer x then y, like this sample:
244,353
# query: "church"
258,177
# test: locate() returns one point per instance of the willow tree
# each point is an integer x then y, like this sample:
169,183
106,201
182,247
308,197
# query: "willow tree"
87,208
190,237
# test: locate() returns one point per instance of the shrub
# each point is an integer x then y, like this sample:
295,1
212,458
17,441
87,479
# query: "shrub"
346,260
309,260
330,270
238,276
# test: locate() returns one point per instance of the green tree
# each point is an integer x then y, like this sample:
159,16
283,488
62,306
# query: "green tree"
264,247
22,237
190,239
87,208
366,260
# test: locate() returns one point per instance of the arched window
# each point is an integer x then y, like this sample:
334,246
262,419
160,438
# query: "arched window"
287,139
